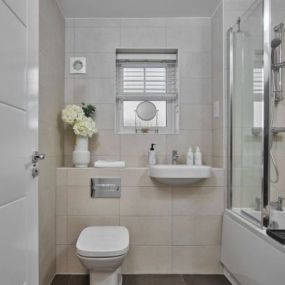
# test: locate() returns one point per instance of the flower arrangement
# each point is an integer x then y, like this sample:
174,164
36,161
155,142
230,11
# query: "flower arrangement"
80,118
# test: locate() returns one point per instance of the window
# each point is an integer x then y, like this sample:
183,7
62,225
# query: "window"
146,77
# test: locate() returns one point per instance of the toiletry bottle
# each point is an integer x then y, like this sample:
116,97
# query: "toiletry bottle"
198,156
190,157
152,155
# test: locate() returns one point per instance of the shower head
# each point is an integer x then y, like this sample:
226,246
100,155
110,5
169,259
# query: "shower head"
275,43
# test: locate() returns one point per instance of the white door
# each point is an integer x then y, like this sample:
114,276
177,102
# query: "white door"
18,139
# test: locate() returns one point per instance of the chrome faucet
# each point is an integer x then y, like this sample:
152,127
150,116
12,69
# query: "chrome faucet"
278,205
174,156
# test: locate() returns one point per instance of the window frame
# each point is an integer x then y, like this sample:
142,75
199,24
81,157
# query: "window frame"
172,106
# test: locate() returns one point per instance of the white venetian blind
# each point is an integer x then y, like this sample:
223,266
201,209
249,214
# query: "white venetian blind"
146,78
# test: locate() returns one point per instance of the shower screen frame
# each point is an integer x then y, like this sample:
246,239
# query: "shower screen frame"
266,132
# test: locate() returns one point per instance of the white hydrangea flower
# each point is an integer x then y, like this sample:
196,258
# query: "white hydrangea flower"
85,127
71,114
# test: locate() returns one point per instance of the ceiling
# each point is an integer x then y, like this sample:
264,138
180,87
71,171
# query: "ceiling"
137,8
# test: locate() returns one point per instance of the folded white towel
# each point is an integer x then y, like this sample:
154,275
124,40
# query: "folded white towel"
109,163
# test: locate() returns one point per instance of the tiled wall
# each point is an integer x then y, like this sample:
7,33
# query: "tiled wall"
172,229
97,39
51,100
217,86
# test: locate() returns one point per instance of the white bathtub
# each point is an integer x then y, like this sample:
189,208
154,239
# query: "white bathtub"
249,254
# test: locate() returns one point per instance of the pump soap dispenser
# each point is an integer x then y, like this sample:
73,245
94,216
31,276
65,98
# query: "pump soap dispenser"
152,155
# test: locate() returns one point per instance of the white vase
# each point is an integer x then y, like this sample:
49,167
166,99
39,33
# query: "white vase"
81,155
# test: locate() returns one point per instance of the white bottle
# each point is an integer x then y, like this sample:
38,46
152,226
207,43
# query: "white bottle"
198,156
190,157
152,155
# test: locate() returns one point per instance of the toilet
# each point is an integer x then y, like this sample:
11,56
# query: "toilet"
102,250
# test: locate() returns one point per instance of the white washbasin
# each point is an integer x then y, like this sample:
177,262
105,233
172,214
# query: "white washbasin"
179,174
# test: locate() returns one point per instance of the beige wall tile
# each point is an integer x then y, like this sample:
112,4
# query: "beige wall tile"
61,230
136,177
198,201
75,224
148,259
148,230
73,264
81,177
61,201
145,201
61,176
61,259
197,230
80,203
196,260
138,37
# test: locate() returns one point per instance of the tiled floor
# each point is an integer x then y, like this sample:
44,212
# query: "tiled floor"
149,280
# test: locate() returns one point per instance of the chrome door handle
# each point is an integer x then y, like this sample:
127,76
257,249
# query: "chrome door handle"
36,156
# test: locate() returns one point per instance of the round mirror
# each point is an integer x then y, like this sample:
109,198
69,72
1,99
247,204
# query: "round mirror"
146,111
77,65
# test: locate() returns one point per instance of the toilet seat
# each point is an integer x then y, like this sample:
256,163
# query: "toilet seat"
103,242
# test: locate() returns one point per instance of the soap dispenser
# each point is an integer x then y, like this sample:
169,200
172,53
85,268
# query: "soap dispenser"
152,155
190,157
198,156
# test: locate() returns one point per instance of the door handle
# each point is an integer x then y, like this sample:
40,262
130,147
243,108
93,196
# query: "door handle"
36,157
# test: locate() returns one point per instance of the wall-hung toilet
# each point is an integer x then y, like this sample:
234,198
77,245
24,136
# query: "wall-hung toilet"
102,251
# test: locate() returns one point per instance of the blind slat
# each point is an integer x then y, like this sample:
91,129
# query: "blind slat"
146,77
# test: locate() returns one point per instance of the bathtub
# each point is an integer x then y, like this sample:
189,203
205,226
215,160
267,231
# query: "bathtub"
249,255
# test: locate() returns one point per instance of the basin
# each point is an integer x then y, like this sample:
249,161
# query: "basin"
179,174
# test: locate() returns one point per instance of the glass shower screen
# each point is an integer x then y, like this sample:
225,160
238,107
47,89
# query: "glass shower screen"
246,113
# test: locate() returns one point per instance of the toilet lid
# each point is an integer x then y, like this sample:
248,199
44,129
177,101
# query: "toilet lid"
103,241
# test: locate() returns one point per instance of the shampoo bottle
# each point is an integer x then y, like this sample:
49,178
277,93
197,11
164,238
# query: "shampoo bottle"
152,155
198,156
190,157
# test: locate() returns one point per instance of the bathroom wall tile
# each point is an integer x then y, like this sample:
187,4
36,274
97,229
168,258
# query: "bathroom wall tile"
105,116
195,64
61,201
61,176
98,65
73,264
218,142
145,201
61,229
143,22
203,201
61,259
136,177
139,37
97,23
141,160
80,203
105,143
195,91
196,260
195,117
138,145
195,38
197,230
148,259
69,40
75,224
148,230
92,39
95,90
182,141
217,179
81,177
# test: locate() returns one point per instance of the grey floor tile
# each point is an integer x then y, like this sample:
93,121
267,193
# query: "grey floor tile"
206,280
155,280
79,280
61,280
